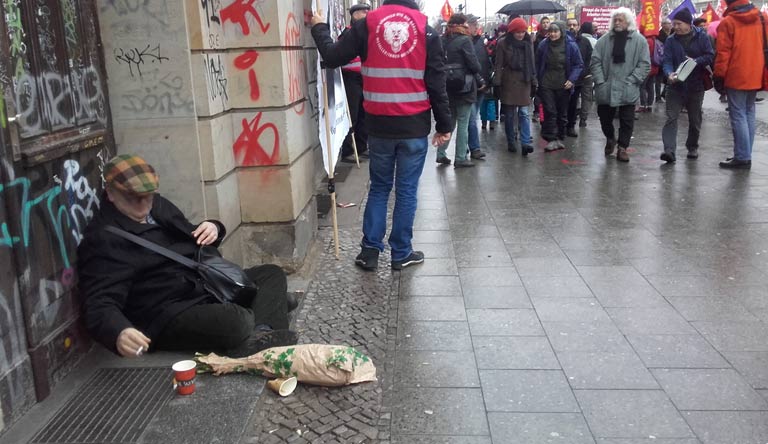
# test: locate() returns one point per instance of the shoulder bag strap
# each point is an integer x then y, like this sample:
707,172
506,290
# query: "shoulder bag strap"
176,257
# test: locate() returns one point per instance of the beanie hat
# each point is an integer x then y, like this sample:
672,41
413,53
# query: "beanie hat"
517,25
131,174
683,15
359,7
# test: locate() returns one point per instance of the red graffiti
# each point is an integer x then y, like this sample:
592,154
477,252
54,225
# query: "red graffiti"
572,162
295,62
238,13
245,61
248,148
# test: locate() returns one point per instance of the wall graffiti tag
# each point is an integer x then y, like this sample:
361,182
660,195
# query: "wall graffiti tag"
135,57
245,61
241,12
250,150
217,80
16,35
295,63
167,97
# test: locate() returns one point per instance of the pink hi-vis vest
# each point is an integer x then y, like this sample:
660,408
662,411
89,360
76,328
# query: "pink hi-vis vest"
393,73
354,65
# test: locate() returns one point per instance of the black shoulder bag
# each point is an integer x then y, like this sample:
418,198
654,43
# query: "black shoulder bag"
221,278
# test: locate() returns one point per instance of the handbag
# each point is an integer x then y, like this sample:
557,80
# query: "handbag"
765,53
457,80
223,279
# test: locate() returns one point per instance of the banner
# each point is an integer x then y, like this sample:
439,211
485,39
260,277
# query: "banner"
710,15
534,26
649,19
447,11
600,16
721,6
337,97
686,4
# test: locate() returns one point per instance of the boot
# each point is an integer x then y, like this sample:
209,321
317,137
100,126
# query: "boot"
621,154
610,145
512,148
483,124
571,132
492,125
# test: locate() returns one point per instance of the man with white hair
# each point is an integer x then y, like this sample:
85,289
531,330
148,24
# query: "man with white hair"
620,63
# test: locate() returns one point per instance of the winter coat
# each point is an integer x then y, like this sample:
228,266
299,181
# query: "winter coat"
619,84
651,40
586,46
483,58
740,47
515,91
573,63
700,49
126,285
459,49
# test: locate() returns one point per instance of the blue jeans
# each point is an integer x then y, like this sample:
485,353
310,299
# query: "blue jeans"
741,110
474,134
401,161
523,124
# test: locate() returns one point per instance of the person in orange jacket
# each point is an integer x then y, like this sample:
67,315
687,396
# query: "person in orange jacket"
739,44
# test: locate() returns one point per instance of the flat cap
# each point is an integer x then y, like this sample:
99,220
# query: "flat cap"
472,18
359,7
131,174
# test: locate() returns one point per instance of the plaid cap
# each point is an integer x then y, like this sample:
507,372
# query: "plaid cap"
131,174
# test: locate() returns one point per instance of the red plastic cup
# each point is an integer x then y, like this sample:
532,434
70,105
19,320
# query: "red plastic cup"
184,377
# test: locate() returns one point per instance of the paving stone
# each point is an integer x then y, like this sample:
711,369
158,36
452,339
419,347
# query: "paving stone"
436,369
753,366
517,352
650,321
676,351
503,322
489,277
557,287
473,230
583,336
440,439
432,308
527,391
526,248
433,267
468,258
424,335
609,257
432,250
729,427
610,273
430,286
496,297
725,389
533,266
431,225
734,335
670,286
446,411
539,428
623,295
565,310
631,414
648,441
619,368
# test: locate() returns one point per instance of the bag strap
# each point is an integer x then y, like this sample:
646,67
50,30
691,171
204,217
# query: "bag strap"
172,255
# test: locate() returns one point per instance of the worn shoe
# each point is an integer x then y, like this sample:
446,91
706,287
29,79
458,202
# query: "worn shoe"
571,132
668,157
526,150
466,163
610,145
735,164
560,144
262,340
511,148
622,155
443,160
368,259
492,125
483,124
477,154
414,258
582,123
693,154
551,146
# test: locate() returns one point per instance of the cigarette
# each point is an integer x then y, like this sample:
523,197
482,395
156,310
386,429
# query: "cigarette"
140,351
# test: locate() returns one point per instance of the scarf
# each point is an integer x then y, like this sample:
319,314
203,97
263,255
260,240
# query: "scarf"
619,44
457,29
521,56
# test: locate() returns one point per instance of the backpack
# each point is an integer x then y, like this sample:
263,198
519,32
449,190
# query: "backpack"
658,53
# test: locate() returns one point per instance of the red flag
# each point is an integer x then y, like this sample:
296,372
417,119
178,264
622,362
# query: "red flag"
721,6
534,26
649,19
710,15
447,11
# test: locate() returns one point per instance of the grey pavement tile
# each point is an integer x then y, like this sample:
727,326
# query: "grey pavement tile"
512,234
535,266
489,277
442,250
430,286
544,248
557,287
424,214
566,310
711,308
611,273
650,321
627,295
503,322
653,440
609,257
180,421
684,285
432,308
764,393
490,259
709,389
433,267
583,242
583,336
753,296
435,369
734,335
496,297
729,427
443,411
439,439
428,335
431,203
527,391
618,368
479,245
665,266
514,353
753,366
473,230
539,428
431,225
676,351
431,236
631,414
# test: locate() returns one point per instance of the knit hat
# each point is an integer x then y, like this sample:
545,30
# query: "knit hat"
359,7
131,174
517,25
683,15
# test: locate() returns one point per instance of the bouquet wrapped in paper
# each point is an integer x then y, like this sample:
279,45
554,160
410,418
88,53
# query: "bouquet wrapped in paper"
317,364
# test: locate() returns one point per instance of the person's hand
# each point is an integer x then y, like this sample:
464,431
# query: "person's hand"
206,233
672,78
568,84
441,138
719,84
132,343
317,18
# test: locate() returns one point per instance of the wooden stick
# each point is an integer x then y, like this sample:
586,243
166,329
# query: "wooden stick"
351,125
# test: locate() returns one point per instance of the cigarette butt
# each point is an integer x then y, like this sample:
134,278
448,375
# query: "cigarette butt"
140,351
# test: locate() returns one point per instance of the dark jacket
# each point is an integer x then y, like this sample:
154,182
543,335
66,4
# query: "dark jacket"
460,50
700,49
573,63
392,127
125,285
483,58
585,50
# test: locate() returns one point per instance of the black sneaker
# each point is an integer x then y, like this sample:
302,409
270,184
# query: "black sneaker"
735,164
693,154
262,340
368,259
511,148
582,123
416,257
668,157
443,160
526,150
571,132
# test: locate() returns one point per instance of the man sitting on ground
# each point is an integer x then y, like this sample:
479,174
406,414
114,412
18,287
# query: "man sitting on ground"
136,300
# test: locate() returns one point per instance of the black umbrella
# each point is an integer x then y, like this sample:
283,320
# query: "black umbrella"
531,7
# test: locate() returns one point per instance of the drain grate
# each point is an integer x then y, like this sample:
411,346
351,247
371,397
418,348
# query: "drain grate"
114,406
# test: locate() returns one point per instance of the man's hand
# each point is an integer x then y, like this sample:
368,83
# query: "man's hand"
132,343
317,18
441,138
672,78
719,84
206,233
568,84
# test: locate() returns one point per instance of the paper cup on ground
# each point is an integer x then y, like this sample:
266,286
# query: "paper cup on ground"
184,377
283,386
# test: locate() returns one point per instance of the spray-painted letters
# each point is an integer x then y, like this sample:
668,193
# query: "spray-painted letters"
245,61
135,58
249,148
241,12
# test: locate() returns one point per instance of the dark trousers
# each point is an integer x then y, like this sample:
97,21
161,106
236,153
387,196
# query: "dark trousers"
626,122
216,326
573,102
555,103
660,83
692,101
353,83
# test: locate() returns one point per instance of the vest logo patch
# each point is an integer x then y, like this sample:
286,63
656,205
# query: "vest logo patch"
396,35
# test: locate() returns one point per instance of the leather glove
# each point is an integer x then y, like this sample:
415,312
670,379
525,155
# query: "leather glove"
533,91
719,83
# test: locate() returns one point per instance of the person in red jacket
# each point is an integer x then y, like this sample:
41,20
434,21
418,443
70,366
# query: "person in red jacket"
739,45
